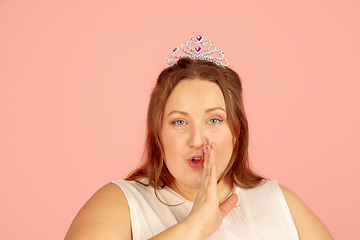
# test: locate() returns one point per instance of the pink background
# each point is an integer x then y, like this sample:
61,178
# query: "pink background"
75,79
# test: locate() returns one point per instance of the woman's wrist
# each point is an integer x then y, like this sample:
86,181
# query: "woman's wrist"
182,230
191,231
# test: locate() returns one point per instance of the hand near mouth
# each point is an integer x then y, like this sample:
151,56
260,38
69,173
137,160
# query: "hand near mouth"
206,215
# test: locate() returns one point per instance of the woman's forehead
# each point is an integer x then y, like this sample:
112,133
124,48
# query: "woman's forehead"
195,94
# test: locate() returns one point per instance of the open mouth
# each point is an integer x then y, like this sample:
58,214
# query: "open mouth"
197,159
196,162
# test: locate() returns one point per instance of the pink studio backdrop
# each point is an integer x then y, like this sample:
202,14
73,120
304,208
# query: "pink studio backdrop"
75,79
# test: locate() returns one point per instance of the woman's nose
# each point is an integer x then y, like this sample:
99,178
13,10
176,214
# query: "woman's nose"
197,137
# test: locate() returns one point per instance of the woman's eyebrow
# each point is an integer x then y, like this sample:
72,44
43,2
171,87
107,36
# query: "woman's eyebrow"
178,111
214,108
206,111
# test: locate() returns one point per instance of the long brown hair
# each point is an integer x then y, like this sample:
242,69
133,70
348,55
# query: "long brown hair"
238,169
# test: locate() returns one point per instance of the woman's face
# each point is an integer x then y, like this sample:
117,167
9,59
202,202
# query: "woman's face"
194,116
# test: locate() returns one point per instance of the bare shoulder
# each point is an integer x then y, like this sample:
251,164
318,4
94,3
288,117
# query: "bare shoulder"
308,225
105,215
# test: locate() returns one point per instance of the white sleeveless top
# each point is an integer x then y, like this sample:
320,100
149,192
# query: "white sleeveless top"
261,213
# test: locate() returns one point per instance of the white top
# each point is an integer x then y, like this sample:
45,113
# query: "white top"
261,213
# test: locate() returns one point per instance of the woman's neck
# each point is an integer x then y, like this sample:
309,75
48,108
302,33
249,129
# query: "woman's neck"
225,187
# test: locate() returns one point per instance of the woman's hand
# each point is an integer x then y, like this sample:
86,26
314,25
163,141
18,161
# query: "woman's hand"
207,214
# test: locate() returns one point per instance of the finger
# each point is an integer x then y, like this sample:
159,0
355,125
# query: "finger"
228,204
212,186
212,155
207,160
206,171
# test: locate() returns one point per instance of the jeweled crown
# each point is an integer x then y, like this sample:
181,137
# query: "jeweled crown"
198,48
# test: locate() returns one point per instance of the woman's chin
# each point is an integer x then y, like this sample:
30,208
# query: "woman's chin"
194,183
189,183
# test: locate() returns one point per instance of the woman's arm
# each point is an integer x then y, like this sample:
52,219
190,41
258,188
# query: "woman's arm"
308,225
105,215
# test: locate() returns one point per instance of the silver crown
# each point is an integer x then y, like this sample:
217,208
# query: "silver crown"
198,48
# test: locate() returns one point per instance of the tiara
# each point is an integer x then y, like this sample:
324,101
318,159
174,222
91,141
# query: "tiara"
198,48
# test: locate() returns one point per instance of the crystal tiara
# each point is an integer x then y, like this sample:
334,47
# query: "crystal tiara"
198,48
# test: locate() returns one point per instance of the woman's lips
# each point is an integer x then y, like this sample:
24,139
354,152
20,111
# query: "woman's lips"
196,161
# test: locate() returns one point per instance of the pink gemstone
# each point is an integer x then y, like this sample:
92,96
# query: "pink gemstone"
197,49
198,37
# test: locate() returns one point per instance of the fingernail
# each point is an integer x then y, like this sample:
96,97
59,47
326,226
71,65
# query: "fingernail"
210,144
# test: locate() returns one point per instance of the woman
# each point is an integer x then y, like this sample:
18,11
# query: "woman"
196,182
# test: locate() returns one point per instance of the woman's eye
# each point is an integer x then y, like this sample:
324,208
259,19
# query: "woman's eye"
179,122
214,120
